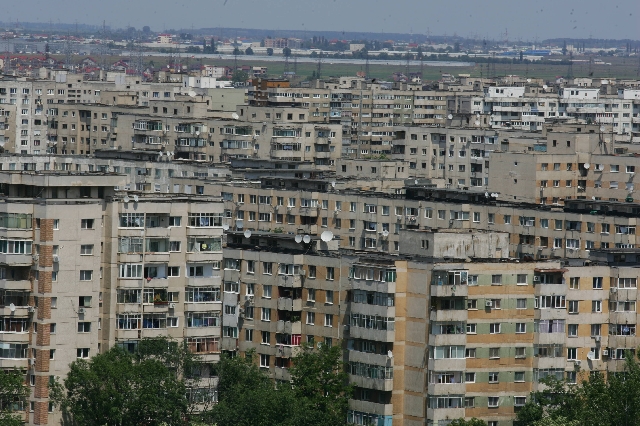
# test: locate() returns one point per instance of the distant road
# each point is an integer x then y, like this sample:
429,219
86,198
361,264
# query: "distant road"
355,61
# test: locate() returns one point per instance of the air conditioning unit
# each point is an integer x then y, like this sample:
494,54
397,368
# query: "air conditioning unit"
302,272
31,309
536,278
56,259
597,338
82,310
488,304
248,298
576,362
613,289
606,353
32,361
172,305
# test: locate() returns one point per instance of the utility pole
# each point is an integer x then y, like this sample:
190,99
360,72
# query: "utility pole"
295,64
318,73
366,66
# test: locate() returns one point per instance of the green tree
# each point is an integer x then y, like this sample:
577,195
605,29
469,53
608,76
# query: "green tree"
13,395
558,421
472,422
237,51
269,51
249,51
239,76
321,384
147,387
286,51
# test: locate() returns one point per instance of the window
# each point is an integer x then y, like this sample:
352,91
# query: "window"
86,224
311,317
264,361
329,297
573,306
493,401
572,354
521,327
266,291
472,304
469,402
522,279
86,275
328,320
175,221
82,353
84,327
311,295
494,353
471,328
496,279
596,306
470,353
494,328
573,330
493,377
521,353
597,283
267,268
86,249
521,303
330,273
266,314
507,219
518,375
596,329
574,283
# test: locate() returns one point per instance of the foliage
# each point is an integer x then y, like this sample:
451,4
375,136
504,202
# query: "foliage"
247,395
269,51
239,76
248,51
12,392
472,422
596,401
148,387
286,51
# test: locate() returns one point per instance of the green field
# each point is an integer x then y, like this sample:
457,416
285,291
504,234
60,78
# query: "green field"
620,68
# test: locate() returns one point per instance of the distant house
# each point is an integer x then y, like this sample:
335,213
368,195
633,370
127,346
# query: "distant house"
164,38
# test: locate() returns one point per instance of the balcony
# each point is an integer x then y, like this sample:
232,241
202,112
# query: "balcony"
372,334
447,339
370,358
449,315
370,285
289,327
15,285
291,281
436,414
371,407
369,383
448,364
287,304
229,344
281,374
283,351
366,309
446,388
16,259
449,291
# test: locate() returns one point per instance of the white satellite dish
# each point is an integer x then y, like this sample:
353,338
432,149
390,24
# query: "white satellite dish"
12,307
197,132
135,198
415,182
545,87
126,199
235,116
486,194
385,233
587,165
306,239
494,194
247,234
477,123
602,128
298,239
239,224
326,236
333,184
528,80
225,227
450,116
390,354
192,93
593,197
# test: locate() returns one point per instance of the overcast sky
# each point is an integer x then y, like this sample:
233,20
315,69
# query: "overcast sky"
526,20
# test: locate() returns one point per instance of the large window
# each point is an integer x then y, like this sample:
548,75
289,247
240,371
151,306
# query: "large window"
130,245
204,244
203,319
204,345
15,246
205,220
129,296
202,294
15,220
132,220
131,270
14,350
129,321
448,352
154,321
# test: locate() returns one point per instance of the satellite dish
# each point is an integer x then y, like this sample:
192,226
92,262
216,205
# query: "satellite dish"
298,239
235,116
385,233
415,182
390,354
544,86
478,115
486,194
528,80
494,194
135,198
326,236
126,199
239,224
197,132
477,123
306,239
593,197
192,93
450,116
602,128
225,227
587,165
12,307
247,234
333,184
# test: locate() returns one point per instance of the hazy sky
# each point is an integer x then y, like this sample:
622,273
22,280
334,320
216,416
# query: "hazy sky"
522,19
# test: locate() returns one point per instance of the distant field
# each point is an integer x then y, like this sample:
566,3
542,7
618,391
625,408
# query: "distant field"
620,68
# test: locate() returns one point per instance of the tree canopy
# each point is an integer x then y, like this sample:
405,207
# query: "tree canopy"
317,394
148,387
13,394
596,401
